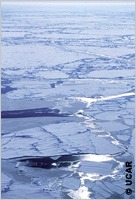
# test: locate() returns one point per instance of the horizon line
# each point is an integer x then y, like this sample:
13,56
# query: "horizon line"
130,2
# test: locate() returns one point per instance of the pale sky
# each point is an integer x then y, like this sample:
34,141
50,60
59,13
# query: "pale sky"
72,2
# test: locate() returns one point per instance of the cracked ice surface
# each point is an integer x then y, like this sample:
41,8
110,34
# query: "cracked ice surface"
56,139
77,60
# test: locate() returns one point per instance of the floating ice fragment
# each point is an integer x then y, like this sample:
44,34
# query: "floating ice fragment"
71,183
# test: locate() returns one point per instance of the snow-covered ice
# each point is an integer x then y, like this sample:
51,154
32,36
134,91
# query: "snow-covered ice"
77,61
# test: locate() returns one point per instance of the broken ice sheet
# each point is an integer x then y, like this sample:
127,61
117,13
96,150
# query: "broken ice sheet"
56,139
79,59
104,168
6,183
112,126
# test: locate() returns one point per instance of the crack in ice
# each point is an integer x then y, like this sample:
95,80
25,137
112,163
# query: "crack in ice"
89,101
